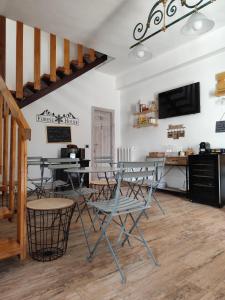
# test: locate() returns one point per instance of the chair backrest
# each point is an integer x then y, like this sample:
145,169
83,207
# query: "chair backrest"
134,170
102,161
159,163
55,164
34,160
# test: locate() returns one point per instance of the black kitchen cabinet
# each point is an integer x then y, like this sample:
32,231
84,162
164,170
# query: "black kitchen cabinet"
207,179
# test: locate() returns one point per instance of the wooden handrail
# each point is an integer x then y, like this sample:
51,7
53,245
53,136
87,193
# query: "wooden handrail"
15,111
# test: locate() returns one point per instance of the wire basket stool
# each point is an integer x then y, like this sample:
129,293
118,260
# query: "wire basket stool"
48,224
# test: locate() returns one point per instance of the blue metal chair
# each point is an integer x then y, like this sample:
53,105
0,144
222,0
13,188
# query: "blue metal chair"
137,186
54,164
104,184
124,207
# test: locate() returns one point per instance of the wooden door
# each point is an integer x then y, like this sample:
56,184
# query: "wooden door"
102,133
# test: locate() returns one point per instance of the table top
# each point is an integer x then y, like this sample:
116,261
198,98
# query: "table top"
93,170
49,203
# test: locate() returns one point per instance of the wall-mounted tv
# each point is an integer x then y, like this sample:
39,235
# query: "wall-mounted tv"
181,101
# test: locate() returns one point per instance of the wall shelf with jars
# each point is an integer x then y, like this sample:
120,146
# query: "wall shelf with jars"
146,115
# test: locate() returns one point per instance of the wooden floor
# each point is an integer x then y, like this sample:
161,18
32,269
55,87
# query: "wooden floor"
189,243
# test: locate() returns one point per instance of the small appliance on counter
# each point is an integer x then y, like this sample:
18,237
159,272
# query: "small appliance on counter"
72,150
204,148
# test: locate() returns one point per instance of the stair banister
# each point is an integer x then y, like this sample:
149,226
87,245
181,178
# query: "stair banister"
13,155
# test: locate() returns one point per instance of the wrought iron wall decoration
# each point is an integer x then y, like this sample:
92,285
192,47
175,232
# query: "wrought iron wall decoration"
158,14
47,117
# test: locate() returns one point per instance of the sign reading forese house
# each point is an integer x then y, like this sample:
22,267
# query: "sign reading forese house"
47,117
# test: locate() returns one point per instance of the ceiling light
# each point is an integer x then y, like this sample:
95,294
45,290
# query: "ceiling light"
197,24
140,53
162,15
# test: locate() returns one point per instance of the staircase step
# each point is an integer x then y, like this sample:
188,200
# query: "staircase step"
48,86
87,59
30,86
27,92
46,79
98,54
60,72
5,213
73,65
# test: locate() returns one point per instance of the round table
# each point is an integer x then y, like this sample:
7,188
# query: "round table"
48,223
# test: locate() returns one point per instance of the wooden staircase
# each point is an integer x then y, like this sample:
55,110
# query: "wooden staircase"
14,130
30,94
14,133
43,84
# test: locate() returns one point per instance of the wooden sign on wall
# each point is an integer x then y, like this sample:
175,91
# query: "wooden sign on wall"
220,87
175,131
47,117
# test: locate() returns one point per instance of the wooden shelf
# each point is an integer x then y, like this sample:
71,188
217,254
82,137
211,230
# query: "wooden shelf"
220,93
8,248
144,125
144,112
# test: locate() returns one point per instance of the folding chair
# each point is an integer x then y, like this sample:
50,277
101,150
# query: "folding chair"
37,182
53,165
85,193
158,164
123,208
104,184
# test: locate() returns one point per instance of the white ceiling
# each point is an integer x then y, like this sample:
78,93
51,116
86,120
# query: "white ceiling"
105,25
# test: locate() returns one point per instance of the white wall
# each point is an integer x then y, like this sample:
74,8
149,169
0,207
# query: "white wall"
199,127
91,89
77,97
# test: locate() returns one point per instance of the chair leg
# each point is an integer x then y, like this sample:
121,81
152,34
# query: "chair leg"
115,257
90,217
82,210
107,223
132,228
112,251
100,191
91,226
149,251
158,203
123,230
82,223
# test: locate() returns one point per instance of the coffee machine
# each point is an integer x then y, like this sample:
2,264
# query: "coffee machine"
204,148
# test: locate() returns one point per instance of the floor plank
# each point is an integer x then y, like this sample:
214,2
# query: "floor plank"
189,243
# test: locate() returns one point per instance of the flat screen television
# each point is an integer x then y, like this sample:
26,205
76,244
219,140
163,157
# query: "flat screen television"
181,101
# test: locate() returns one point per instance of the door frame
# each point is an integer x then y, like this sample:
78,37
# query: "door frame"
112,111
